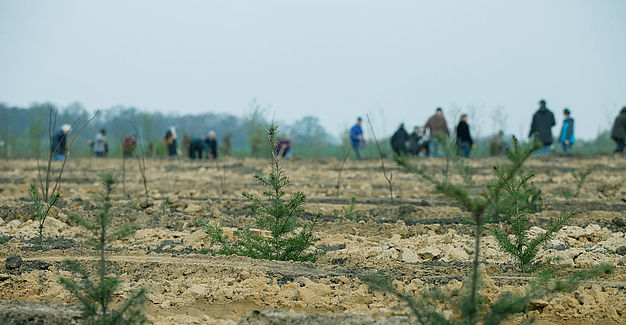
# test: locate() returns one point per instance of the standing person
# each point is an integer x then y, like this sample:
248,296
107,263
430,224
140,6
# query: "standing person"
100,143
398,141
497,145
195,148
129,145
414,141
567,132
59,143
541,126
283,148
437,126
356,137
463,138
211,143
170,141
618,133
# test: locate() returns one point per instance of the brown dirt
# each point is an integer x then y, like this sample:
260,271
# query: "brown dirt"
419,240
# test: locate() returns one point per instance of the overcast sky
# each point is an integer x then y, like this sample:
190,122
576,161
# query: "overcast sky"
397,60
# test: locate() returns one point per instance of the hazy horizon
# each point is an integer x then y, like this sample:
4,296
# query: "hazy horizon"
331,59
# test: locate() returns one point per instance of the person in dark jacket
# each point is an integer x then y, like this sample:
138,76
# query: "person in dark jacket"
59,143
463,138
618,133
195,148
541,126
398,141
283,148
416,141
567,132
170,141
211,143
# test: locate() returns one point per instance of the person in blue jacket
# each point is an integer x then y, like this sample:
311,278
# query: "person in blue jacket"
567,132
356,137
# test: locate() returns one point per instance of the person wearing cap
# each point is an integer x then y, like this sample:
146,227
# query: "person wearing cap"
170,141
618,133
541,127
356,137
438,126
211,143
59,143
567,132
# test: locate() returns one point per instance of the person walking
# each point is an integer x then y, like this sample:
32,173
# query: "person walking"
211,143
59,143
398,140
356,137
618,133
100,144
437,127
567,132
463,137
541,126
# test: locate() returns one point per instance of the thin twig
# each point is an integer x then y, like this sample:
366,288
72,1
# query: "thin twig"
382,160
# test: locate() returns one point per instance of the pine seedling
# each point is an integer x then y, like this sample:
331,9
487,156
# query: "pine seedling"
97,296
580,178
287,239
480,206
472,308
517,200
45,200
42,209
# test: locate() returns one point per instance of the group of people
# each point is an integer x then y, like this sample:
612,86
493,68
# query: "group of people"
428,141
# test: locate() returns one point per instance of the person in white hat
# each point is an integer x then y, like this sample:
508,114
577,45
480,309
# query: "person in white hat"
59,147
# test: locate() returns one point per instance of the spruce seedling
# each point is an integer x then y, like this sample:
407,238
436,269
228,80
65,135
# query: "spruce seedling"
96,297
275,214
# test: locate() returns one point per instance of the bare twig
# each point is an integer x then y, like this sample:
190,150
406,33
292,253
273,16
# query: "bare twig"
339,175
389,177
141,162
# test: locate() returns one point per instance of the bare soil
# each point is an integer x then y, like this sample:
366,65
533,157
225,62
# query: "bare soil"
419,240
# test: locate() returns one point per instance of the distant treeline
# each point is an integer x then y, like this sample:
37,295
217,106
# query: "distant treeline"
24,132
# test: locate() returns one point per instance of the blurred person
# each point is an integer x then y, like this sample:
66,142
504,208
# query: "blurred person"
356,137
196,147
59,143
618,133
437,127
497,144
170,141
415,139
283,148
541,126
129,145
100,143
398,140
211,143
567,132
463,137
